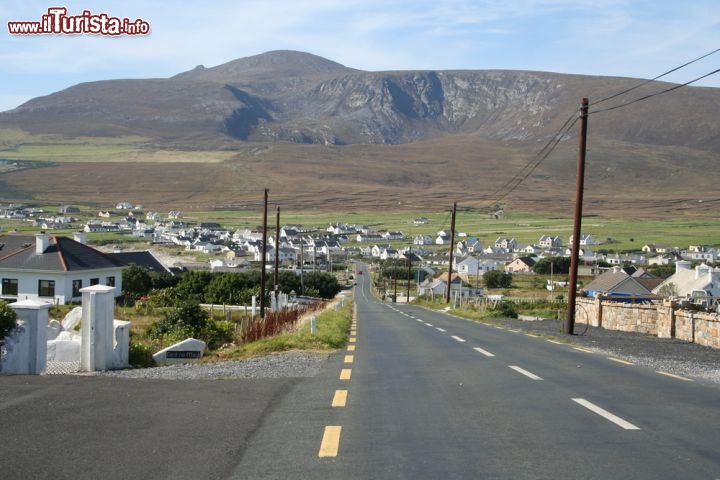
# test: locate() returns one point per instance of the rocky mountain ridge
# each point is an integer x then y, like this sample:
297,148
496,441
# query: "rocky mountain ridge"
286,96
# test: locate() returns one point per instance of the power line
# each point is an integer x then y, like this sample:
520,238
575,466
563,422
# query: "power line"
646,97
536,160
656,78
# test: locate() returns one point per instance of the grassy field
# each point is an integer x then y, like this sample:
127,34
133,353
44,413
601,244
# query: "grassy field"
17,145
526,228
617,234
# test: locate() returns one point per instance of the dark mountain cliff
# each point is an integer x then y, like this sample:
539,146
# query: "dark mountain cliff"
297,97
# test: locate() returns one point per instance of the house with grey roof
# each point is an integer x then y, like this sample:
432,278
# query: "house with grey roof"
617,282
53,268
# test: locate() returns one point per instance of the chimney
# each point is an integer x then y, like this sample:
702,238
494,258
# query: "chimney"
702,270
682,265
79,237
42,242
617,269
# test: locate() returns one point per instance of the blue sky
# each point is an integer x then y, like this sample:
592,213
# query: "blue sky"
629,38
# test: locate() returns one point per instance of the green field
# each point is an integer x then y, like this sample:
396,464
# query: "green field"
526,228
625,234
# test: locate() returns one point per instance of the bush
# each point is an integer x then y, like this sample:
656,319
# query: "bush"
141,355
8,319
190,320
504,310
497,279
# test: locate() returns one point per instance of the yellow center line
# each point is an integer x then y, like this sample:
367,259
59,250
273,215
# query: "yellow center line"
345,373
330,442
672,375
349,358
580,349
618,360
351,348
554,341
340,398
352,340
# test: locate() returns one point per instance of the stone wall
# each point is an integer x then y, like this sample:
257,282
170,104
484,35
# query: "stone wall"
665,320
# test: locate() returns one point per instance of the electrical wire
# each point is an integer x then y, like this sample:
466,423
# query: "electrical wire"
535,161
556,141
655,78
646,97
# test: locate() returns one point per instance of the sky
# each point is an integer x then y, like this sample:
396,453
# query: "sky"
626,38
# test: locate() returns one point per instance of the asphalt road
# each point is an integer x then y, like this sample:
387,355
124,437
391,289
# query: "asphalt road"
416,395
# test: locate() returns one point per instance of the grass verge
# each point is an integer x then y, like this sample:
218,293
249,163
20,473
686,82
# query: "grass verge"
333,328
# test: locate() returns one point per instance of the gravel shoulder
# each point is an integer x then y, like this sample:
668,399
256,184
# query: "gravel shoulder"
668,355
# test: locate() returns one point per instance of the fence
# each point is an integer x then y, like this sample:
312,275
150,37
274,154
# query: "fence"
665,320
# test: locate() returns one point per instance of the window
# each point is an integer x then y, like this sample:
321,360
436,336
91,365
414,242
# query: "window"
110,281
9,286
76,286
46,288
94,281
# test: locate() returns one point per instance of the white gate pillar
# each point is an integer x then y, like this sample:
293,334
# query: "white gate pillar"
33,316
96,330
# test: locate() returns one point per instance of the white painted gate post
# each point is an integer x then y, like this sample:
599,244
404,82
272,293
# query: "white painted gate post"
96,329
33,315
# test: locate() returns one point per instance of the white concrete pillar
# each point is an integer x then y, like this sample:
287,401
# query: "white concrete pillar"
96,330
121,349
33,316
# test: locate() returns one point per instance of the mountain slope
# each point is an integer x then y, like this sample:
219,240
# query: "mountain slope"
327,135
302,98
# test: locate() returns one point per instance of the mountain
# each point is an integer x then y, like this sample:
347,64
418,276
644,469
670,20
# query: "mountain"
274,106
299,97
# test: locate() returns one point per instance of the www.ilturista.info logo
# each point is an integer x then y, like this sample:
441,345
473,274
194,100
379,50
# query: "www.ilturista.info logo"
58,22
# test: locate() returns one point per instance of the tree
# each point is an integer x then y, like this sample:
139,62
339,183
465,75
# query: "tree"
497,279
192,285
326,284
8,319
560,265
136,282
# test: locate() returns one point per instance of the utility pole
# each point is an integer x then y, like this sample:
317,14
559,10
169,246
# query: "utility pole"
302,266
276,282
452,247
569,325
395,285
409,274
262,260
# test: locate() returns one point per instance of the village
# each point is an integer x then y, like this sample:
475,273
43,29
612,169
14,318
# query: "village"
213,247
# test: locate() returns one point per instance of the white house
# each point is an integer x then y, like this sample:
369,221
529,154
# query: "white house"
584,240
548,241
423,240
507,244
438,286
474,266
53,268
687,280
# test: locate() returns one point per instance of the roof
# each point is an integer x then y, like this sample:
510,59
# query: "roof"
617,282
62,254
142,259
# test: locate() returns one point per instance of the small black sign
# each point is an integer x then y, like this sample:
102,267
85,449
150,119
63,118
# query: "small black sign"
183,354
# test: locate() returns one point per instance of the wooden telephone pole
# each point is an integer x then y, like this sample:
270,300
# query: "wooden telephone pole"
262,260
569,324
452,247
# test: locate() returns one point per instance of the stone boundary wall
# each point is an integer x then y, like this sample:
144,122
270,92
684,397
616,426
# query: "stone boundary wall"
664,320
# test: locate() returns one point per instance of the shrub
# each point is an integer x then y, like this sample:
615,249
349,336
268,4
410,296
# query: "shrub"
503,309
190,320
140,355
8,319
